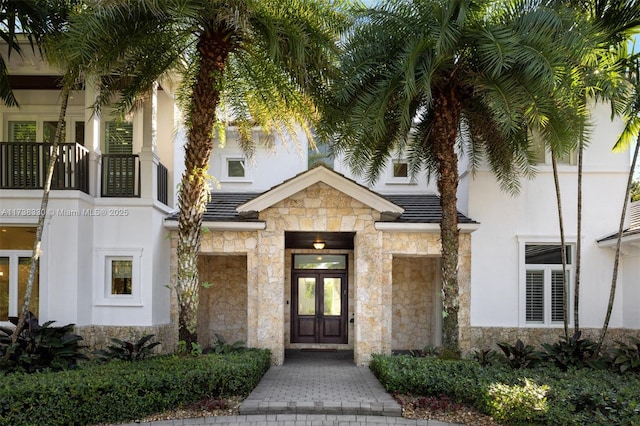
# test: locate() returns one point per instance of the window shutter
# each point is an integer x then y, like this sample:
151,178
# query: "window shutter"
118,138
557,294
22,131
535,296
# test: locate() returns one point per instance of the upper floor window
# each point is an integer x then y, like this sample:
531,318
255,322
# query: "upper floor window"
118,137
235,169
22,131
543,156
399,172
43,131
400,169
544,283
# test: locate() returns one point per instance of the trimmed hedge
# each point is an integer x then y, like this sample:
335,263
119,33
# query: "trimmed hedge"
544,395
121,391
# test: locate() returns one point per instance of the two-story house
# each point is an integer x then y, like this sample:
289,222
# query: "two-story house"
297,256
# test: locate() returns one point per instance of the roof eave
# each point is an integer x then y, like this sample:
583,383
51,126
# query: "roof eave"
223,225
465,228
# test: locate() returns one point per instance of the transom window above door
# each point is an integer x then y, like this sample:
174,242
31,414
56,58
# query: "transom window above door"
319,261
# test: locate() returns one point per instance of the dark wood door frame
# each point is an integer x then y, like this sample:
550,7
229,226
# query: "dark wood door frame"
318,327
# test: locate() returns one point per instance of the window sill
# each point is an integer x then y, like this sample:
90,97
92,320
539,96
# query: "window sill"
122,303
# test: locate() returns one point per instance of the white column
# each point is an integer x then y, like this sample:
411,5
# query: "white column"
149,153
93,133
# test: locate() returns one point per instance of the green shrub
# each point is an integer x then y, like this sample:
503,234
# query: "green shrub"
41,347
120,391
542,395
128,351
523,403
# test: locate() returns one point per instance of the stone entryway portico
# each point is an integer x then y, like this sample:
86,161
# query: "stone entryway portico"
392,250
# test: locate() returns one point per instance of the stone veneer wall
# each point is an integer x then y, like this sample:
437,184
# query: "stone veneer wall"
322,208
488,337
223,306
413,302
99,336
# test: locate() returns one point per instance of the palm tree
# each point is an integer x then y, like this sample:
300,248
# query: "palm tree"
631,130
437,78
603,79
50,18
267,63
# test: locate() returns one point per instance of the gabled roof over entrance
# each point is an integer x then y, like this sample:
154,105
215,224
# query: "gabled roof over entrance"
320,174
399,212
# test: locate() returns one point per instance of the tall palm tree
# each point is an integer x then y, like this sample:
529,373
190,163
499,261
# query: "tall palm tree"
266,62
434,78
46,20
603,78
631,130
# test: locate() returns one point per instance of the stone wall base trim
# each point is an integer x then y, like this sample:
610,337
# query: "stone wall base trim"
480,338
99,336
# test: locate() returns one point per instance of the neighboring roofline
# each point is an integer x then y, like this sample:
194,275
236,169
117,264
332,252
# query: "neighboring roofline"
223,226
465,228
611,240
327,176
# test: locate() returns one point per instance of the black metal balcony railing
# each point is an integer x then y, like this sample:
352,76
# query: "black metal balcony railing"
120,175
23,165
163,185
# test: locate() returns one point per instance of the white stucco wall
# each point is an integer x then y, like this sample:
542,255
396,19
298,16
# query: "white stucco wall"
532,216
271,165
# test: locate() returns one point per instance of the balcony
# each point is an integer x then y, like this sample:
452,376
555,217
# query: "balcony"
23,165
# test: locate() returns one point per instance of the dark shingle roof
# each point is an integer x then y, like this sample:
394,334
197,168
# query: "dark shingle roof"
419,208
222,207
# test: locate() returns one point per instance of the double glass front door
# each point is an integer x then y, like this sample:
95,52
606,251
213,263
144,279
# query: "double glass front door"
319,307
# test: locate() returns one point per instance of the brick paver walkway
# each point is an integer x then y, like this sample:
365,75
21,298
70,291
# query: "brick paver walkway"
313,389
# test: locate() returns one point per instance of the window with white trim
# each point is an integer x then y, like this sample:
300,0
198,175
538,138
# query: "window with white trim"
236,169
542,155
118,277
544,285
399,172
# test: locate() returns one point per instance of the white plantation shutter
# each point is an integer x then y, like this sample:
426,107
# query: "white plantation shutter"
535,296
557,293
118,138
22,131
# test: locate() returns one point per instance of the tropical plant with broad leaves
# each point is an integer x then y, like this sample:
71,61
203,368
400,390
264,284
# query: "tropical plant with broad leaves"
251,62
40,348
520,355
128,350
435,79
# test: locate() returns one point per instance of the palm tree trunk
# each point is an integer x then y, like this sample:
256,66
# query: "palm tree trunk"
213,49
445,128
576,291
35,257
616,262
565,296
